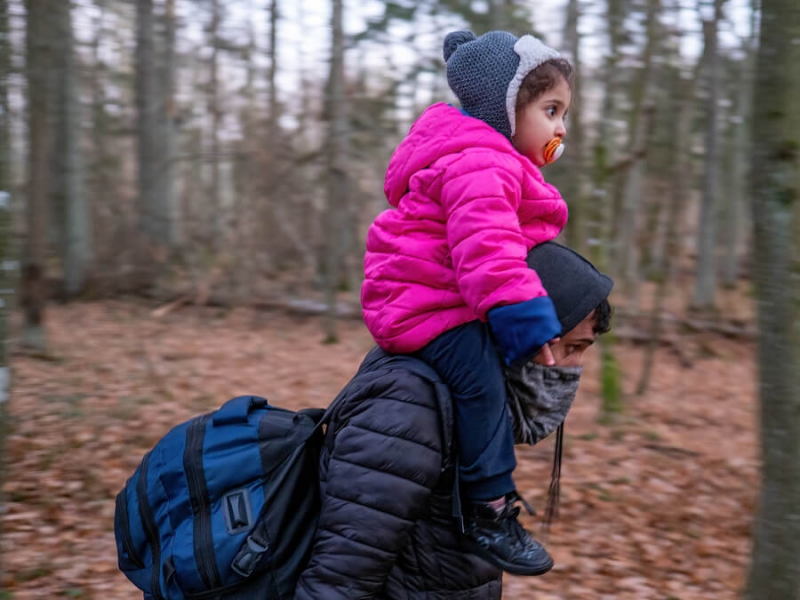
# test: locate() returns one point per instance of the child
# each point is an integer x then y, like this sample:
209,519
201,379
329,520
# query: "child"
471,202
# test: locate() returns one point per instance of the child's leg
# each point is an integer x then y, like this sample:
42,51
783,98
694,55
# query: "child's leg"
468,363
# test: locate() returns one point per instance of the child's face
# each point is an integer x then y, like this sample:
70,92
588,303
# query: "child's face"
541,121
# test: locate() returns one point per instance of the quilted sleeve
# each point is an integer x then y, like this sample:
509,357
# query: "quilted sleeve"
480,196
384,463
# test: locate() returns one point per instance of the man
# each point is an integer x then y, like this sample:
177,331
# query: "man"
387,528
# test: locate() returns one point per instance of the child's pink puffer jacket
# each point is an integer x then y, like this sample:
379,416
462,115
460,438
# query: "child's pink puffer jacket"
469,207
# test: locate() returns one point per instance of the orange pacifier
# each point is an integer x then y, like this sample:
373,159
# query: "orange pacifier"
553,150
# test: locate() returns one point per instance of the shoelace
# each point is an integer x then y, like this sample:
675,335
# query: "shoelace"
511,526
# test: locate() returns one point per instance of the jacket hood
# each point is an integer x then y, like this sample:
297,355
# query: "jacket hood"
441,130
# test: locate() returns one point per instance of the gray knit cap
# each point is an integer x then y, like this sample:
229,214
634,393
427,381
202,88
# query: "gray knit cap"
485,73
574,285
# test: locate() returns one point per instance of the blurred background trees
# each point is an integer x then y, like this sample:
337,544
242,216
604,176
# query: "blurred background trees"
199,151
234,151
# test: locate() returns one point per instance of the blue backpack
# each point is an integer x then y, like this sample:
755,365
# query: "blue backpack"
224,506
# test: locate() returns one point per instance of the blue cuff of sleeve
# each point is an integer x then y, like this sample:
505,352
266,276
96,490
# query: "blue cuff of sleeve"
520,330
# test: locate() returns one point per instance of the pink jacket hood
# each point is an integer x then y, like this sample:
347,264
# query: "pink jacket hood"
441,130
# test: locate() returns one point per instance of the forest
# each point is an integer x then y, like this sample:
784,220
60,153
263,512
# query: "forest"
185,190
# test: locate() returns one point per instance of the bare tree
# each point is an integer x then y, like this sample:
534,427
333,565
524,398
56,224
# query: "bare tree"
740,171
632,177
775,570
167,114
604,150
39,71
337,180
154,125
7,251
272,126
705,282
575,188
681,103
100,181
604,153
145,113
71,213
217,211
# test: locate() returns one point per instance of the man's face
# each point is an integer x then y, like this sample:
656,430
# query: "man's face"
569,350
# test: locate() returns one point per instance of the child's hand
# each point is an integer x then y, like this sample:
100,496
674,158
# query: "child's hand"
546,354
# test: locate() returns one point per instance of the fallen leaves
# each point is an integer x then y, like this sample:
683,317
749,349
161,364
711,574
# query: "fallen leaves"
656,506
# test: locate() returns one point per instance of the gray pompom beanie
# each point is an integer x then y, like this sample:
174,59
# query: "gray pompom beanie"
485,73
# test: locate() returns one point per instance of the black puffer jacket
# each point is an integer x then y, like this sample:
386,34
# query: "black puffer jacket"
386,475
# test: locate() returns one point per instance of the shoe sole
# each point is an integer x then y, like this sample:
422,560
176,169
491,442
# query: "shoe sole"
511,568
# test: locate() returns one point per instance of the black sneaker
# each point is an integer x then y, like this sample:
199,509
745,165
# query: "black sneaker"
501,539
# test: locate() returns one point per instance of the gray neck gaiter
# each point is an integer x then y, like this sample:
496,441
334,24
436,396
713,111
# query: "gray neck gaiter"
539,398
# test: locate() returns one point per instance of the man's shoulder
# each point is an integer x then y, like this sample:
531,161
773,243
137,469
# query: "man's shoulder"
402,374
379,362
389,386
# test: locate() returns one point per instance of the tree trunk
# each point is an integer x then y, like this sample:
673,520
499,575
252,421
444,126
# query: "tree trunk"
705,282
272,122
167,206
7,249
271,224
604,151
338,181
775,570
151,213
740,170
217,210
610,384
145,111
71,210
632,178
681,104
576,185
5,138
155,66
39,70
247,213
100,179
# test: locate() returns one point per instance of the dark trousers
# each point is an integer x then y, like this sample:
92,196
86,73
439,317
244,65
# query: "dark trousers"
468,363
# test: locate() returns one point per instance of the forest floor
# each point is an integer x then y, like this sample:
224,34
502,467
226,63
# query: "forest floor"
657,505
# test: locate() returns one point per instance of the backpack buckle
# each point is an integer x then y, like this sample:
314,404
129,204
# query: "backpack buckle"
251,553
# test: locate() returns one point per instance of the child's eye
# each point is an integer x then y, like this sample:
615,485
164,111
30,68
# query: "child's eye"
551,111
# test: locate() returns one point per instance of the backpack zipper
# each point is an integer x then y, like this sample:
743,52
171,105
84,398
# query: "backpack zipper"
150,528
198,495
125,528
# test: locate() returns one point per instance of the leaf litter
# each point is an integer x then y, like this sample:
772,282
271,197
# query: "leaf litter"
657,505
